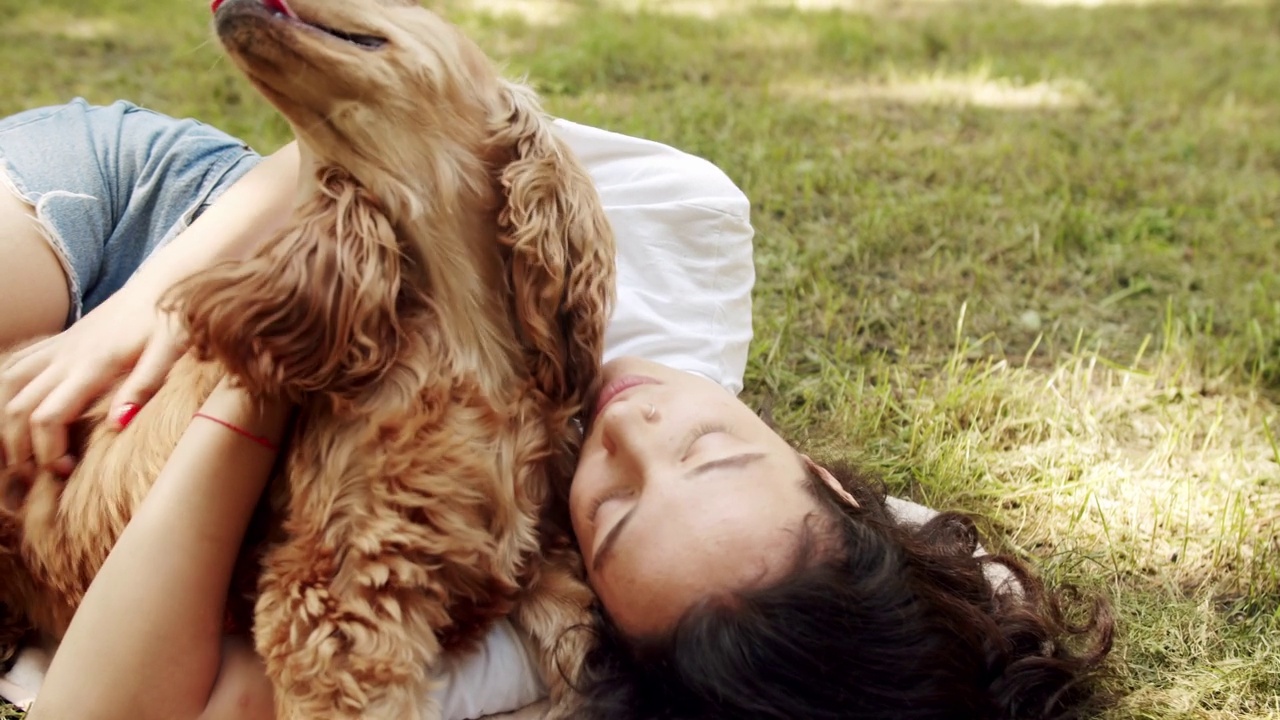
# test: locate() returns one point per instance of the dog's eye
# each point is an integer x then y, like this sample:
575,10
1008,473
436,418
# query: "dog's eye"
369,42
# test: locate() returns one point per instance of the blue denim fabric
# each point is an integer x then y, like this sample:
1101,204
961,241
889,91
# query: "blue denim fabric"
112,184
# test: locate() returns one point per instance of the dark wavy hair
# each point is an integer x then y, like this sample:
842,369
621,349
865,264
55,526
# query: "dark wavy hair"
877,619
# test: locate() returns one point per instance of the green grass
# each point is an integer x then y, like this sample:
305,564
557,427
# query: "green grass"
1023,260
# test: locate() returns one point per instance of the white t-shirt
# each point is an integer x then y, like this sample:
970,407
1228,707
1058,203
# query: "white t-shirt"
685,275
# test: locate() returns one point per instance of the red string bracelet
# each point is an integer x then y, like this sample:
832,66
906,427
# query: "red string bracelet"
241,432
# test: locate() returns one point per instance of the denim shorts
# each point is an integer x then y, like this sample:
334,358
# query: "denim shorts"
112,184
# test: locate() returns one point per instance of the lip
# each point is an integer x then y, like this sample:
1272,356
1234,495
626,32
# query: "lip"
280,6
619,386
281,9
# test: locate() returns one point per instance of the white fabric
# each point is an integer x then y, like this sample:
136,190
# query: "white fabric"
500,676
685,269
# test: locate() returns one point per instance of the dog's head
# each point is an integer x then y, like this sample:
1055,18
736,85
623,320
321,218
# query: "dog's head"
385,89
491,213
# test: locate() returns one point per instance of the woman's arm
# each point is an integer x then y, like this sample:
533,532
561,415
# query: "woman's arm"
51,384
233,227
241,220
147,640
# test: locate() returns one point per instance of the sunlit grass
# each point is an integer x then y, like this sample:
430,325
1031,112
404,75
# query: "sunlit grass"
975,88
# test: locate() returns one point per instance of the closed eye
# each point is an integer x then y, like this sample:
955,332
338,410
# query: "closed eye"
595,504
737,462
697,434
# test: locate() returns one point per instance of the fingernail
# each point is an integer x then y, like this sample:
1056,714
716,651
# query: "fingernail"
125,414
64,465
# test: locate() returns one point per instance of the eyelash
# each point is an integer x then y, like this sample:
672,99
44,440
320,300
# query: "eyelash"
595,504
699,432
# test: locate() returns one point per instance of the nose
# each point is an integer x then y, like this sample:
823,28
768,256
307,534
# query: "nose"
630,429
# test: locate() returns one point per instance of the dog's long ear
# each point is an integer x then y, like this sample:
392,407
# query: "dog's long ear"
315,311
562,251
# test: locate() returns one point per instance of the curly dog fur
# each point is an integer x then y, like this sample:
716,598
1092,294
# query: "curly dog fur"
436,307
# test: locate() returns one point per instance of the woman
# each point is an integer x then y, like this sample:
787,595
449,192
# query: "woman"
736,577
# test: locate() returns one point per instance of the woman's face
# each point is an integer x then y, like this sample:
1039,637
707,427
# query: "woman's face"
681,493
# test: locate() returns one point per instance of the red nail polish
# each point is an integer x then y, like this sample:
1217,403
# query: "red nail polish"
125,414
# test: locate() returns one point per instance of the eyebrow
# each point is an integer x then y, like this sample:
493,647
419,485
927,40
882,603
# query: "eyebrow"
736,461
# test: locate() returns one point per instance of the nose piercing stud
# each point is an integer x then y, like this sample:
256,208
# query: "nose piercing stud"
651,412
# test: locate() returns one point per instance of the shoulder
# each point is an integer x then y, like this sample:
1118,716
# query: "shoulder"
684,249
633,171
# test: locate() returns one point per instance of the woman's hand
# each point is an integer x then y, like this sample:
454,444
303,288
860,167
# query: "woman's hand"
46,386
156,607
